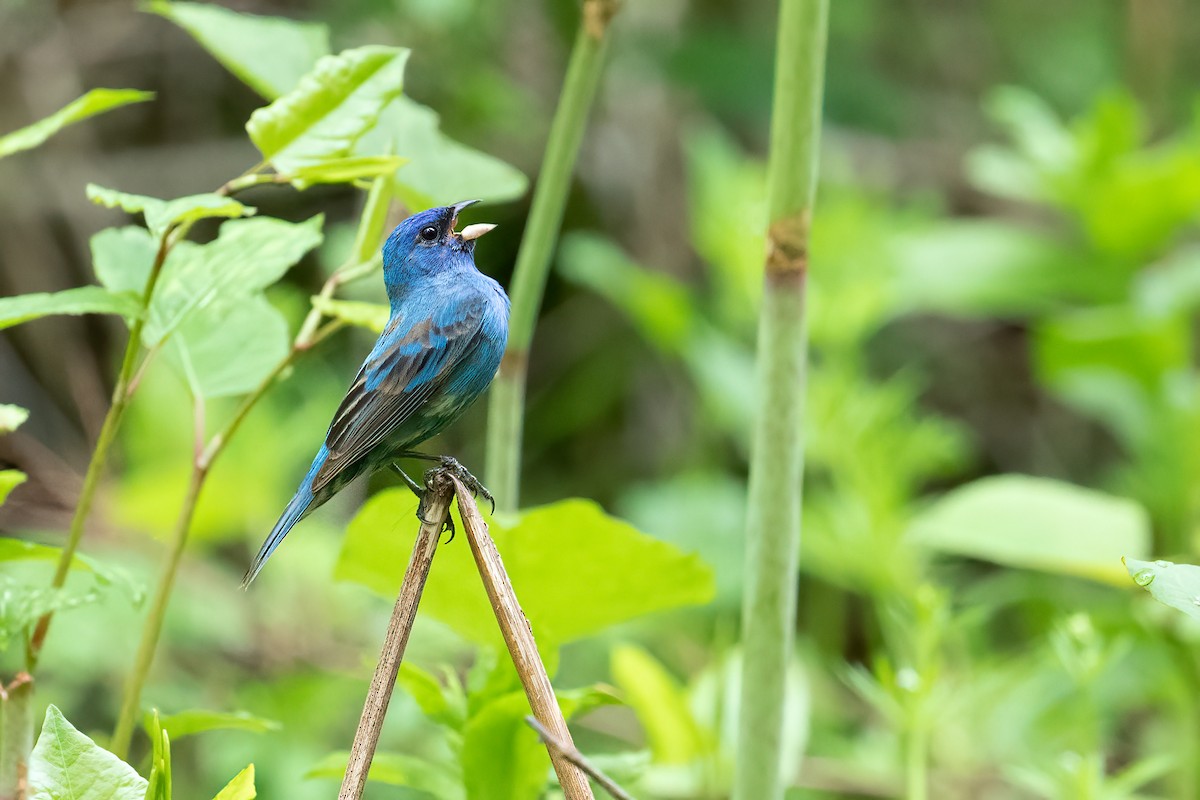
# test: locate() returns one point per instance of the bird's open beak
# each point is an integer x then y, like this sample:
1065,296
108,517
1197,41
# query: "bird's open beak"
471,232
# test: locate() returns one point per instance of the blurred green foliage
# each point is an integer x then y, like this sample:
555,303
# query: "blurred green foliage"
1003,402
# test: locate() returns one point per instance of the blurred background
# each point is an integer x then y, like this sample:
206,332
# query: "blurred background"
1005,271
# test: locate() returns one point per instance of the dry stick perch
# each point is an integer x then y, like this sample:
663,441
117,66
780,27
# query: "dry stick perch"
570,753
403,615
519,639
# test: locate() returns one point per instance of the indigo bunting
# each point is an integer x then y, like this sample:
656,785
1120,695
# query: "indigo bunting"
439,351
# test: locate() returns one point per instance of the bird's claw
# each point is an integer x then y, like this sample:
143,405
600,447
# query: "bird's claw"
451,466
447,523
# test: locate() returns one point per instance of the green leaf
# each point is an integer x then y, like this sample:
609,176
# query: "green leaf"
12,549
270,54
97,101
346,170
577,702
162,214
1036,523
122,258
614,574
198,720
246,257
240,788
372,316
672,732
439,780
160,760
1175,585
224,352
66,765
11,418
502,758
9,480
330,109
442,701
440,170
81,300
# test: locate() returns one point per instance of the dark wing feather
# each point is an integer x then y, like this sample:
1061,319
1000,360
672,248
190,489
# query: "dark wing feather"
367,417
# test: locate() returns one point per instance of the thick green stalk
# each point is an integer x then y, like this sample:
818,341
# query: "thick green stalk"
108,433
777,455
505,412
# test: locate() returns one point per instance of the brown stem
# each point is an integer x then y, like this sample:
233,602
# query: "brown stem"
570,753
519,638
366,738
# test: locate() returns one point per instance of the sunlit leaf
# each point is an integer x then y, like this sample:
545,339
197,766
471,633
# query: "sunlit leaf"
440,170
396,769
345,170
210,349
661,706
575,569
271,54
13,549
11,418
1036,523
372,316
97,101
246,257
199,720
1175,585
502,757
334,105
66,765
81,300
162,214
240,788
9,480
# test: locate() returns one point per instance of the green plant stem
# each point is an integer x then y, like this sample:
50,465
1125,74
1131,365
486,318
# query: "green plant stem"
916,763
537,246
777,451
108,433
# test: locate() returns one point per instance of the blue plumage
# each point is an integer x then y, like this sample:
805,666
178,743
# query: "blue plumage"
440,350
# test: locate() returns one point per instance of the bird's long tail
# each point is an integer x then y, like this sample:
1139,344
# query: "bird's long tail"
300,505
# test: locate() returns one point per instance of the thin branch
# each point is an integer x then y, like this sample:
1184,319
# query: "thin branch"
572,754
519,638
366,738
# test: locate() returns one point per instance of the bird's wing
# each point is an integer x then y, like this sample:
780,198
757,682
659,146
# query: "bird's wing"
396,381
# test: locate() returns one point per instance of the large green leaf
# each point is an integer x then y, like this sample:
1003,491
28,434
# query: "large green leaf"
334,105
1036,523
372,316
271,54
162,214
97,101
1175,585
122,257
240,788
246,257
81,300
227,351
502,758
440,170
66,765
199,720
13,549
397,769
443,701
11,418
345,170
575,569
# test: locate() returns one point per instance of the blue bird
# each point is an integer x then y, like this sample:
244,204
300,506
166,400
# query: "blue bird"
439,351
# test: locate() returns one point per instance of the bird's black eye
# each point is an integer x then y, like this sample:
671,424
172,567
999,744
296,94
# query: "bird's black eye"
428,233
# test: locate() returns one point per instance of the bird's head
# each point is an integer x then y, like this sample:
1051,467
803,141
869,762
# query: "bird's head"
426,243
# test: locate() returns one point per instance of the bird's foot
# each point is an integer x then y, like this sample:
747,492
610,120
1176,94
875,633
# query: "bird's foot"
423,494
451,466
